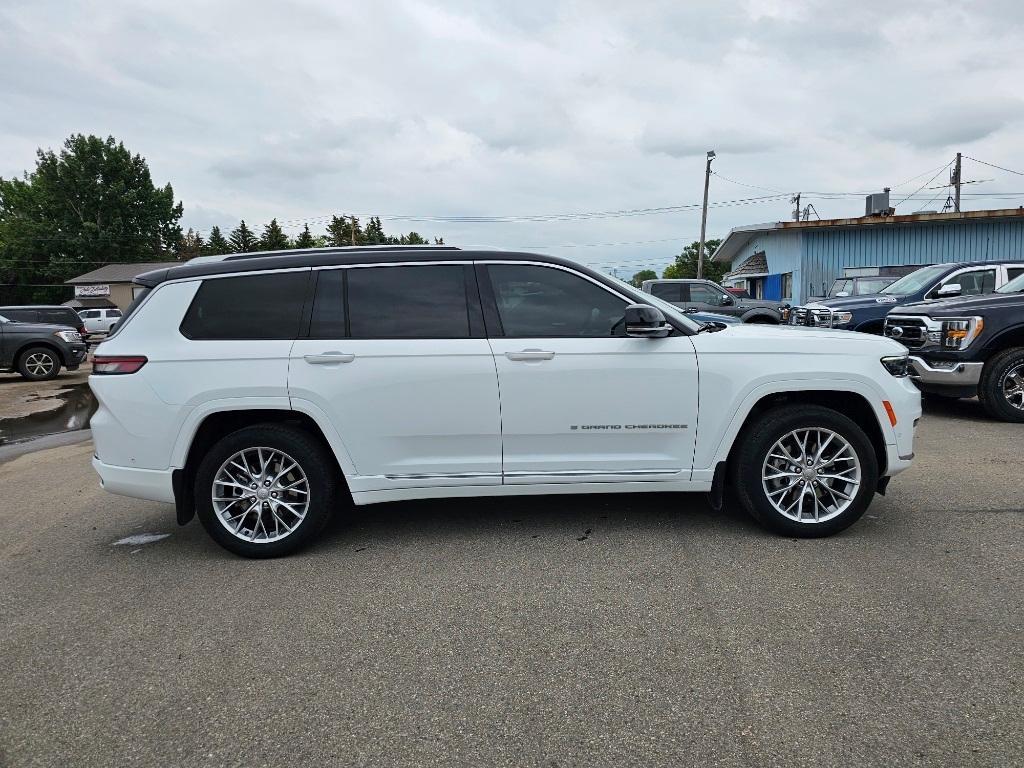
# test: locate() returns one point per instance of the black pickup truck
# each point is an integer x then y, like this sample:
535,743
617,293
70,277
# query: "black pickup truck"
971,345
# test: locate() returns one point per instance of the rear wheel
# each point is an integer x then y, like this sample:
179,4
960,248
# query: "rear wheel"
805,471
265,490
1001,390
39,364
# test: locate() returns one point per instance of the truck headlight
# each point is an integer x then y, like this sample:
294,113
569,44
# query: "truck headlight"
71,337
897,365
842,318
959,332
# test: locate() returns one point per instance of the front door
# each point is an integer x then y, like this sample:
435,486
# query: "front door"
397,358
580,401
707,298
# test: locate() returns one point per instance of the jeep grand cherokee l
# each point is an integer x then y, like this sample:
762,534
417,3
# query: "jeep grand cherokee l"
392,373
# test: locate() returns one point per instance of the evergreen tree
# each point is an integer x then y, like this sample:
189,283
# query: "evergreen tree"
242,239
217,244
274,238
339,231
305,238
374,234
685,265
190,245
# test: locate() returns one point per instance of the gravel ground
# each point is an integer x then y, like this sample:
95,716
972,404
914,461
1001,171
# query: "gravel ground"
640,630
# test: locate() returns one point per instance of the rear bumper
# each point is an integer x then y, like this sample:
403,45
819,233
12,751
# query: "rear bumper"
953,374
151,484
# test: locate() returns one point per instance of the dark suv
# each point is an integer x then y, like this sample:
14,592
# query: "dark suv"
38,350
972,345
936,282
705,296
47,314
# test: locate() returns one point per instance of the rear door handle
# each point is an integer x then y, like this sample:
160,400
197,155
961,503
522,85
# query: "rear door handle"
327,358
530,354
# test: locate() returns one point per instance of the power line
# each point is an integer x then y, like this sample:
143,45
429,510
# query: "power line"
933,178
744,184
993,165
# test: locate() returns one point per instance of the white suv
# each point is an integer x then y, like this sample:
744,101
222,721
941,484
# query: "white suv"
263,392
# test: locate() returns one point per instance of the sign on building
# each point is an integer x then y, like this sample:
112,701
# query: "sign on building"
84,291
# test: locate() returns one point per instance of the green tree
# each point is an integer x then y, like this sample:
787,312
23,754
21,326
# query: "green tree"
685,265
217,244
91,204
190,245
274,238
643,274
413,238
339,231
374,234
242,239
305,238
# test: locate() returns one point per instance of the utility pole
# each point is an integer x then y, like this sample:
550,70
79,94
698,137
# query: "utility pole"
796,210
956,184
704,215
353,230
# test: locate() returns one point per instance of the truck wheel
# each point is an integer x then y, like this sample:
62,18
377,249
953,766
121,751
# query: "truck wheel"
1001,390
265,490
39,364
805,471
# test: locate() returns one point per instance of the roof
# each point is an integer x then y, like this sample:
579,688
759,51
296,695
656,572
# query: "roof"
120,273
86,302
740,236
755,266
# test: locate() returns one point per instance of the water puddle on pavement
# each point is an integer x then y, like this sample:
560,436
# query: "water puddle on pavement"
77,405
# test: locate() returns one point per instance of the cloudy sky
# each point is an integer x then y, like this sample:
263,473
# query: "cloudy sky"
517,109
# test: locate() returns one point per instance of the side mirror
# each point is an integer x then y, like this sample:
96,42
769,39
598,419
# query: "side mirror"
949,289
842,294
645,321
726,300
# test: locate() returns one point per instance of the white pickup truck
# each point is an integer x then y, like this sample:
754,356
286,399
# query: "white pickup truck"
266,392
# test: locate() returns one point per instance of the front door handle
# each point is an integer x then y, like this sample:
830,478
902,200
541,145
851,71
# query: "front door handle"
530,354
328,358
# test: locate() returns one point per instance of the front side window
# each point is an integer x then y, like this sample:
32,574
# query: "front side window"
704,294
538,302
267,306
89,314
408,302
975,283
840,286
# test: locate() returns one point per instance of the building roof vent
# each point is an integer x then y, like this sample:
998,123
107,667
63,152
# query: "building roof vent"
877,204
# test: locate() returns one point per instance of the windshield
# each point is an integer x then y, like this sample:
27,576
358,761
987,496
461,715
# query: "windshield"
666,308
4,319
916,281
1014,286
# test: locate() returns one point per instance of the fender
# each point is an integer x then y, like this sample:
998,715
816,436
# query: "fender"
709,455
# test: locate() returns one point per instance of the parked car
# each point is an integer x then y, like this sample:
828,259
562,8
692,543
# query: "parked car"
932,283
967,346
38,350
856,286
406,373
706,296
99,321
47,314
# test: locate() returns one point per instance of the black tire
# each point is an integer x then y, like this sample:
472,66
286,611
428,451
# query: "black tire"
39,364
316,463
758,439
991,388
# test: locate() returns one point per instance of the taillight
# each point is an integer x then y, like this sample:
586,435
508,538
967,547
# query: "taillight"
82,332
117,365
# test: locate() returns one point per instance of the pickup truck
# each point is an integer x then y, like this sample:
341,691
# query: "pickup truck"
692,295
939,281
967,346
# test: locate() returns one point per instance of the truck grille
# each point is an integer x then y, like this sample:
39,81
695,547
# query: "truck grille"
911,332
811,316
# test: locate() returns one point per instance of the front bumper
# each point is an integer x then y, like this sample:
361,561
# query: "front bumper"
952,373
75,355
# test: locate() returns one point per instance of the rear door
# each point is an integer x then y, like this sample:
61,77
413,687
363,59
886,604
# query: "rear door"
396,356
580,401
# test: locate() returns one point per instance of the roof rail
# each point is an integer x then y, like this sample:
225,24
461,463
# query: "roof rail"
330,249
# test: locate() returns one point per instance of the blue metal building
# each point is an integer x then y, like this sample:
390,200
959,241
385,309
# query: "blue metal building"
792,260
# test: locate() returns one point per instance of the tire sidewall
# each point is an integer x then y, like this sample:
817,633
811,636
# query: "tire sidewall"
23,363
759,440
311,457
994,400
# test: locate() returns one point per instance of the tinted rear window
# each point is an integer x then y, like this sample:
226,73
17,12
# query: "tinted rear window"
408,302
668,291
248,307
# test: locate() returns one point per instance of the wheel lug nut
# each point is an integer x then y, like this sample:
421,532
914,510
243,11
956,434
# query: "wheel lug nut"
273,495
254,486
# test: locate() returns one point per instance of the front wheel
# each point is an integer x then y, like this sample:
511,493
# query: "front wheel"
39,364
265,490
805,471
1001,390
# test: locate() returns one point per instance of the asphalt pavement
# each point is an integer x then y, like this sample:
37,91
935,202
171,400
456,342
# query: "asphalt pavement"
639,630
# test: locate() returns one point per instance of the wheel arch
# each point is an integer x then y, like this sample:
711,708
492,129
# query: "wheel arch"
1005,339
761,315
16,358
215,424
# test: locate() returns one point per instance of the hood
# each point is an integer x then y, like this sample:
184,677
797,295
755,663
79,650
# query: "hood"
762,337
961,304
859,302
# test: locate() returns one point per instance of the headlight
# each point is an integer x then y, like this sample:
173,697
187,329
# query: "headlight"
896,365
958,333
71,337
842,318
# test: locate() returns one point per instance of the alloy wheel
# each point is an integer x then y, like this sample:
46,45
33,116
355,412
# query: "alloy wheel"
39,364
1013,386
811,475
260,495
